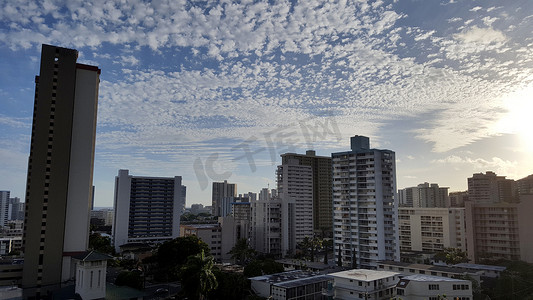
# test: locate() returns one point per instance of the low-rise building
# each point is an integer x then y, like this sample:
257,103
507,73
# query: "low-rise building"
365,284
291,285
211,234
422,269
424,287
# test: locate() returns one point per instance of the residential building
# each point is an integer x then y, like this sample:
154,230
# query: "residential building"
147,209
60,169
425,269
424,287
365,284
424,195
322,194
242,214
457,199
365,206
273,228
226,205
295,181
431,229
291,285
220,191
490,188
4,207
211,234
500,230
106,215
525,185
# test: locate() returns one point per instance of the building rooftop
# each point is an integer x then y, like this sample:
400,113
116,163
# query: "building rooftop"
480,267
456,270
422,277
92,256
285,276
304,281
364,274
202,226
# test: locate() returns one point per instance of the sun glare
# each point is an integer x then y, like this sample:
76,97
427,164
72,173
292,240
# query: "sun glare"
519,119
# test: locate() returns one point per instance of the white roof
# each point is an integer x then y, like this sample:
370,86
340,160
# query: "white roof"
422,277
363,274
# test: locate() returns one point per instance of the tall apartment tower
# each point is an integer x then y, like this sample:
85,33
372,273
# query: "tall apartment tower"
490,188
4,207
322,195
525,185
220,191
365,209
60,169
295,181
147,209
424,195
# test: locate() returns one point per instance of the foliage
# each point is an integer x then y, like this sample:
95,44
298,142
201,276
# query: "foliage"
327,244
101,243
262,267
197,276
516,282
309,246
230,286
173,254
242,252
452,256
132,279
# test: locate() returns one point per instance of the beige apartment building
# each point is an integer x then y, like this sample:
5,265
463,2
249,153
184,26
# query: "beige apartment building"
500,230
431,229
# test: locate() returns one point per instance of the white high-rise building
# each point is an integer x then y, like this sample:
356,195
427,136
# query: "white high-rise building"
147,209
295,181
365,209
424,195
273,224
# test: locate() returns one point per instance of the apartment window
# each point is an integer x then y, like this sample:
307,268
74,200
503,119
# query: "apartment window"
433,287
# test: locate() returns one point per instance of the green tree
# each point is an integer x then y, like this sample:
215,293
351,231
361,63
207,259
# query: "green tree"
452,256
132,279
101,243
197,276
173,254
230,286
242,251
262,267
327,244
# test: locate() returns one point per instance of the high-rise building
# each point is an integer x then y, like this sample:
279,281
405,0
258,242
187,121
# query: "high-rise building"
60,169
15,209
147,209
322,195
295,181
273,225
364,205
424,195
491,188
457,199
4,207
431,229
220,191
525,185
500,230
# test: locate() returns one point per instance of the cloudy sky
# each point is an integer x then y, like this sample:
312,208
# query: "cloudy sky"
214,90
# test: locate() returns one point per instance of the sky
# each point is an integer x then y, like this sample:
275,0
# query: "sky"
217,90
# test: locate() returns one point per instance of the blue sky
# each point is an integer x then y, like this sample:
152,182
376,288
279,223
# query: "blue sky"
215,90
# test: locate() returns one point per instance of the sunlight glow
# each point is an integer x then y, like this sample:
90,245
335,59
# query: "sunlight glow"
519,119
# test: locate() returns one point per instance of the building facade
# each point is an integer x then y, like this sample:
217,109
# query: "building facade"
295,181
428,287
4,207
365,206
431,229
424,195
500,230
322,194
365,284
273,228
490,188
220,191
147,209
60,169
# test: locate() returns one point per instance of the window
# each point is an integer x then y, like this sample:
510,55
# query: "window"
433,287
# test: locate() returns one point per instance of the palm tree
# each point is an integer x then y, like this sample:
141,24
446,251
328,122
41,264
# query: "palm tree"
197,276
242,251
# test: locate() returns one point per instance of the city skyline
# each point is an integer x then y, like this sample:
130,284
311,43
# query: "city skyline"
188,89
